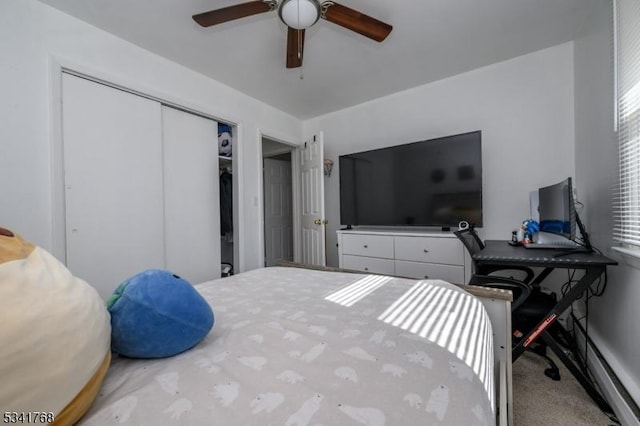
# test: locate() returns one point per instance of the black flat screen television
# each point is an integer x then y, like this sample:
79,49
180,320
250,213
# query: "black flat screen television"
431,183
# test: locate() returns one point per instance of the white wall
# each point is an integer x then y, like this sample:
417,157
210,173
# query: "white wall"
524,107
613,318
34,39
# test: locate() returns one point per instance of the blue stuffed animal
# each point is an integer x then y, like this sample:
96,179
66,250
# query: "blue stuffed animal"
157,314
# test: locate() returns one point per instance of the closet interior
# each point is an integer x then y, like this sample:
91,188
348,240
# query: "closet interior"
225,163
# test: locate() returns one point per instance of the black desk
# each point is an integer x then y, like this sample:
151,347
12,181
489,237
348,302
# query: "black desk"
501,253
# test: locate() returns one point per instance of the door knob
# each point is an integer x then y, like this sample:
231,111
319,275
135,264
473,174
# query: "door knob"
317,222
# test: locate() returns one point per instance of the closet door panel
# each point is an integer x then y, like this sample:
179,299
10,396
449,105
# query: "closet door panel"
192,201
113,183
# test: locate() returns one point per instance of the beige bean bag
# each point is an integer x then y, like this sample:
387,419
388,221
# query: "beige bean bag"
54,334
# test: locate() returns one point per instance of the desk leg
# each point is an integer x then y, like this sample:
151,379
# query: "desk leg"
577,373
541,331
571,296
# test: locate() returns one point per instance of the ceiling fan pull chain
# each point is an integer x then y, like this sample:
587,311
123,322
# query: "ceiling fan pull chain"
300,48
299,43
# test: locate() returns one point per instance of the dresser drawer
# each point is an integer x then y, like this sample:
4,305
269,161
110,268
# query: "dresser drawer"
368,264
368,245
430,249
433,271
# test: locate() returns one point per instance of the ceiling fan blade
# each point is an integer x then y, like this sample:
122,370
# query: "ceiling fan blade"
295,47
231,13
356,21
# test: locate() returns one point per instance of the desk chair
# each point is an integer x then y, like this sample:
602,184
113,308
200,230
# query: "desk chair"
529,305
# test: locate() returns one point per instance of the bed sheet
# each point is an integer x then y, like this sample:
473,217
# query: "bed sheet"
302,347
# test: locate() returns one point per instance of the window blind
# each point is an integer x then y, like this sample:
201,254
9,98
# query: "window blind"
626,213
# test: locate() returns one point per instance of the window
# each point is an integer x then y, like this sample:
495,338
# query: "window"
626,213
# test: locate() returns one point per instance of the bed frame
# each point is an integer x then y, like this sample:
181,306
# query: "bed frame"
497,303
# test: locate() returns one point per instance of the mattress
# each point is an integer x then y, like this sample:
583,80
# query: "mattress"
298,347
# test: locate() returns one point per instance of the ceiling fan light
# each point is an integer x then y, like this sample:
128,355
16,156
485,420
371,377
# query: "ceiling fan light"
299,14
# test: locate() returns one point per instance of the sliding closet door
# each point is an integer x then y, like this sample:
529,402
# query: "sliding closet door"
113,183
192,201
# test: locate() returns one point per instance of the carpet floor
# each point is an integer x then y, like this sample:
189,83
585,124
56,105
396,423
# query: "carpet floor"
538,400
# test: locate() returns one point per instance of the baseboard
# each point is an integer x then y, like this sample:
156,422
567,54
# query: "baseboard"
613,391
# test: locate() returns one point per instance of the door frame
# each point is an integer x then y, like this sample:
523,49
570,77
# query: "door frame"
295,196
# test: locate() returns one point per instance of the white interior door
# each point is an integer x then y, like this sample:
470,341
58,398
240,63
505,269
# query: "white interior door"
278,212
191,195
113,183
312,221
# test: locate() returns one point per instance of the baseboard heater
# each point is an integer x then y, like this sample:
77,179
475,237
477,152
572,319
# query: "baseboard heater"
614,391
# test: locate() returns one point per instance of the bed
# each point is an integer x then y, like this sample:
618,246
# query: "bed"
295,346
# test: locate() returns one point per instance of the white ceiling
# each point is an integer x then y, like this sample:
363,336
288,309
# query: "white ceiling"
431,40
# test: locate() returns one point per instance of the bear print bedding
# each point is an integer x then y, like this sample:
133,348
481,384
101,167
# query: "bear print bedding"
298,347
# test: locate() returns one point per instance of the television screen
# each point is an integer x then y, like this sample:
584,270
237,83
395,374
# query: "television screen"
435,182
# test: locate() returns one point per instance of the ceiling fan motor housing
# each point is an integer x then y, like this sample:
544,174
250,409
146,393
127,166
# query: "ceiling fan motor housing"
299,14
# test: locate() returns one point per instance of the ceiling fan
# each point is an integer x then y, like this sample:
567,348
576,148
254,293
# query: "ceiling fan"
299,15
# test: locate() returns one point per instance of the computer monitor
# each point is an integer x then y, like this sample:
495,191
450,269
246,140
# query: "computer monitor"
557,209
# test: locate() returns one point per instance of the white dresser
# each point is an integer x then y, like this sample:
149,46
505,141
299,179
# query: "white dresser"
411,254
